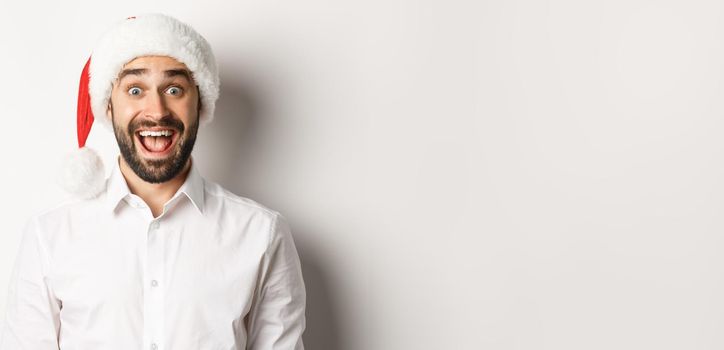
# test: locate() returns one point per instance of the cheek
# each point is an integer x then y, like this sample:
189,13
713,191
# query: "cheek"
123,112
119,107
121,120
186,111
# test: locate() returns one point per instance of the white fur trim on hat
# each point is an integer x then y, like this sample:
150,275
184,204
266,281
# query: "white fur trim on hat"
147,35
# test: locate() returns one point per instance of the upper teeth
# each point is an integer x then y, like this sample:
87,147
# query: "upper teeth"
156,133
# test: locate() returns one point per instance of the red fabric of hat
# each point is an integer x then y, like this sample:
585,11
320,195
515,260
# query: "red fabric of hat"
85,113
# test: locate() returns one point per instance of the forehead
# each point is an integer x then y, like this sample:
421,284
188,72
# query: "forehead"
165,62
148,65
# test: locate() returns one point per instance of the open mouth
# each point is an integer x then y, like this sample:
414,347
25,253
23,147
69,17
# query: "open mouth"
156,142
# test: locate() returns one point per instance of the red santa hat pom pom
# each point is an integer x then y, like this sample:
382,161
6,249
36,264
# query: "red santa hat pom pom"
82,172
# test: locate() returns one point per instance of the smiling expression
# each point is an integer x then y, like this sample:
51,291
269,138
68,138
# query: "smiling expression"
154,108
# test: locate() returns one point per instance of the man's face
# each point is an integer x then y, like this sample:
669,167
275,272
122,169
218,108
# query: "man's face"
154,108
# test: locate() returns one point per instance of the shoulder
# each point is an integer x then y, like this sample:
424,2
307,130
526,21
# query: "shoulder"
238,211
65,210
218,194
221,201
45,223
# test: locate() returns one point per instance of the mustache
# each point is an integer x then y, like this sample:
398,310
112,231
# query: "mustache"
167,122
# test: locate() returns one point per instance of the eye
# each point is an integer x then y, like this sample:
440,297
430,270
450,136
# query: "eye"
174,90
135,91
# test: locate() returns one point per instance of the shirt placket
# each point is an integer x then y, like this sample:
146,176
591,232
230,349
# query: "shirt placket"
153,288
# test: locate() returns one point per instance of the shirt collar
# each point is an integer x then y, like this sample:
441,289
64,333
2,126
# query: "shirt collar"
117,188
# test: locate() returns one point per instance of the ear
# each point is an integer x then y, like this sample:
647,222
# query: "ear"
109,110
198,94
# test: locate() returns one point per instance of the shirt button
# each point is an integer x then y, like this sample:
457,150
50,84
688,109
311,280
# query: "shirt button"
154,346
154,283
154,225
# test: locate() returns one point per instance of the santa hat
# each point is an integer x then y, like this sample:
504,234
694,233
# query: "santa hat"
151,34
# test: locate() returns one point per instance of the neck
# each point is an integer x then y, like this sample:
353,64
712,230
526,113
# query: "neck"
154,194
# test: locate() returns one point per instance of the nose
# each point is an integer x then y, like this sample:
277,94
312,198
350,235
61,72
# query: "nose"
156,106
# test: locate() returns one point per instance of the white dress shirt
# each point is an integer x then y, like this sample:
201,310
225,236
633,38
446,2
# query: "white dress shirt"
214,271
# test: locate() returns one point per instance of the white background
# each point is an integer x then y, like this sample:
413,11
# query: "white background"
457,174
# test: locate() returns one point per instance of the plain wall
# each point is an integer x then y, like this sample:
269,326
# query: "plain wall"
457,174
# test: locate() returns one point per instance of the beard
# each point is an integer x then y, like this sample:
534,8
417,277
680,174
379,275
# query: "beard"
156,170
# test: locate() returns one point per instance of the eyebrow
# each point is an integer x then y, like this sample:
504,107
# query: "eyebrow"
168,73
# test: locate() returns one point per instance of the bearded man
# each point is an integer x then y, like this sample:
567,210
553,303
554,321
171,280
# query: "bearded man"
155,256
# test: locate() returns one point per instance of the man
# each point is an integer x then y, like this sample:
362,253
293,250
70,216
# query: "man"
156,257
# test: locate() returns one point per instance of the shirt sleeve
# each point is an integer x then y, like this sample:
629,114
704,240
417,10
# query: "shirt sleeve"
276,319
32,311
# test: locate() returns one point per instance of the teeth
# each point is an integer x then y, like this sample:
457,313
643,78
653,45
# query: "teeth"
155,133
